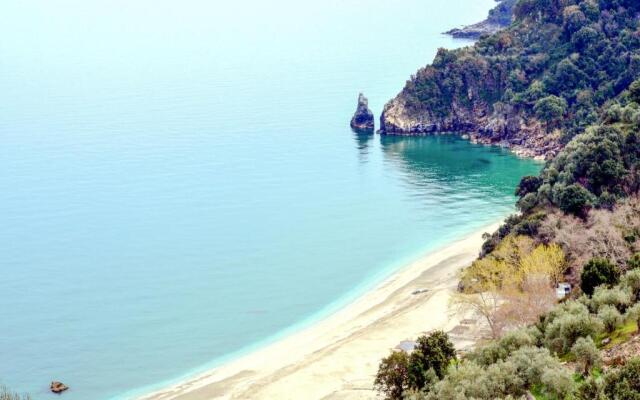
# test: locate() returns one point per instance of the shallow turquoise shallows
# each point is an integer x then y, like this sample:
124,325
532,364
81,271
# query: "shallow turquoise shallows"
179,183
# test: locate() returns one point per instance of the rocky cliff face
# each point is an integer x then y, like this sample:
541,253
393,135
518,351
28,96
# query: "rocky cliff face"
497,124
363,118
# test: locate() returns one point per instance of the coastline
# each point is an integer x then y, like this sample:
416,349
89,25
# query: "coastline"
338,356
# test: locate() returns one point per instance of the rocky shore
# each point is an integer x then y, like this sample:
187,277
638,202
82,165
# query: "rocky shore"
499,125
476,30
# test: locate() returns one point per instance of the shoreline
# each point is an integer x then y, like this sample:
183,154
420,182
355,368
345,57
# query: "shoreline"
338,355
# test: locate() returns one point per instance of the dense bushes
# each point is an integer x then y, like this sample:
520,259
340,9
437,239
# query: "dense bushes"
598,272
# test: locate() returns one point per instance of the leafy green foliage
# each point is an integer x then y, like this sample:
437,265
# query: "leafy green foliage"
392,378
598,271
427,363
624,382
550,109
433,352
574,199
587,354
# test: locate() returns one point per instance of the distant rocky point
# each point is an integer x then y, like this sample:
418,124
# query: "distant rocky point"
475,31
363,118
499,17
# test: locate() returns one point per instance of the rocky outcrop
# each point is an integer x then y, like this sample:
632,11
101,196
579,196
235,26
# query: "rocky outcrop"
363,118
499,18
58,387
497,124
475,31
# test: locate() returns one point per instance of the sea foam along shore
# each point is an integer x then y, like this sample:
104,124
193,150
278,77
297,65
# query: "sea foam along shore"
338,357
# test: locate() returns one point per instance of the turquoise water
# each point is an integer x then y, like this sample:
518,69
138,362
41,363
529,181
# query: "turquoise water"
178,182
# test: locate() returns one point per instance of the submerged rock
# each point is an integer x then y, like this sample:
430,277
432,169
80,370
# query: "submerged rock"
58,387
363,118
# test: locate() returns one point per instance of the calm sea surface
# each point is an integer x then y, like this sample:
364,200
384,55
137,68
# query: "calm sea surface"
179,184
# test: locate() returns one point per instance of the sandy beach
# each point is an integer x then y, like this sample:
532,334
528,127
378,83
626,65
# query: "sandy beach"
338,357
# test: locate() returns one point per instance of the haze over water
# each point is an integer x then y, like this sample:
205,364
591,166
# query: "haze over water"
179,184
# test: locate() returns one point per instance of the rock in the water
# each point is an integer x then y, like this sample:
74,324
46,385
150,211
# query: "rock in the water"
58,387
363,118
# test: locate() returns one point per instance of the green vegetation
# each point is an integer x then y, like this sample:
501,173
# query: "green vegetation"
398,373
569,72
598,271
532,359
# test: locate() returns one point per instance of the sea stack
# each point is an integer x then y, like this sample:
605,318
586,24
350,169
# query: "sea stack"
363,118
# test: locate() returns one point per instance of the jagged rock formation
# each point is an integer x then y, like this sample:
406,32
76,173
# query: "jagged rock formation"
363,118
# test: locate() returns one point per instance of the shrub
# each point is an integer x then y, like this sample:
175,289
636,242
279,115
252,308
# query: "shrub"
624,382
598,271
557,382
525,368
634,314
631,282
590,389
615,297
587,354
392,378
567,325
634,261
501,349
610,317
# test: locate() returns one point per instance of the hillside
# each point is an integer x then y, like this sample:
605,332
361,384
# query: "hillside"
532,86
562,82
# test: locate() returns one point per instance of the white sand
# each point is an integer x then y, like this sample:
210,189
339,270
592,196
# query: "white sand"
338,357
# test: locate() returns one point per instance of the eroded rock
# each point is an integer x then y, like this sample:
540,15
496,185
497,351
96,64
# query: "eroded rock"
363,118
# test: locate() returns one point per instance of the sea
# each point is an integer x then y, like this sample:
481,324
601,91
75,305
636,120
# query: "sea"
179,184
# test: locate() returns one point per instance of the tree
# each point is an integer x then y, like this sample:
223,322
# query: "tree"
634,91
545,260
598,271
587,354
528,184
550,109
610,317
432,353
575,199
485,303
392,378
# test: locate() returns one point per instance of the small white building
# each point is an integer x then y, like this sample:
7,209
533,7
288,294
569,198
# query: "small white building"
562,290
